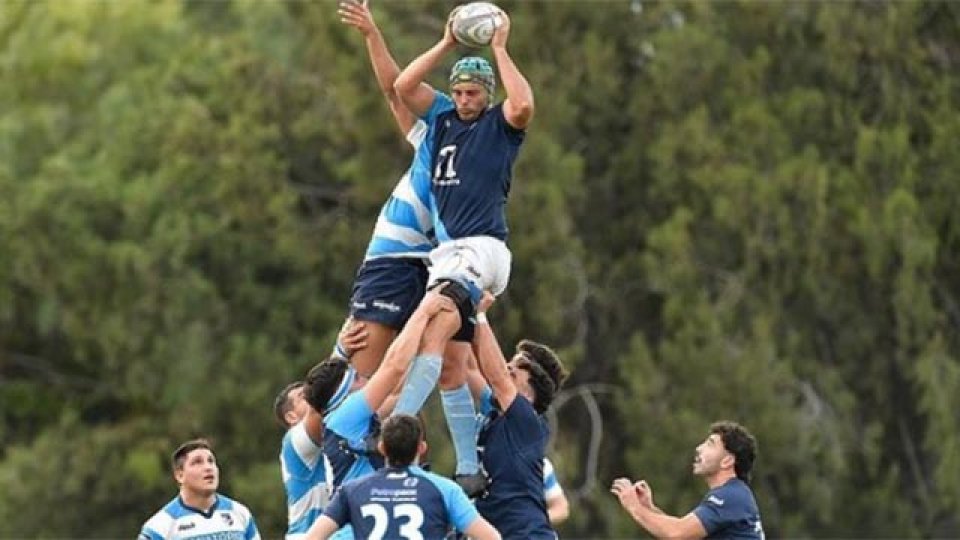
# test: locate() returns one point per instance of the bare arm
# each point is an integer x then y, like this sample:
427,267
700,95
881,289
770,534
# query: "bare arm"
322,528
558,508
650,518
385,68
481,529
313,424
491,359
413,92
475,380
404,347
518,107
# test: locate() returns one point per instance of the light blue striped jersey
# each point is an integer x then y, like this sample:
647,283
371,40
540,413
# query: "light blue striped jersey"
304,479
404,227
226,520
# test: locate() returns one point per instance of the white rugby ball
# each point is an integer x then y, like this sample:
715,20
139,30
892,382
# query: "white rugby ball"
474,23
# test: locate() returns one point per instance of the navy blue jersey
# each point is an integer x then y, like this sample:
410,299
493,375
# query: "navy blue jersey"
472,168
402,503
514,445
730,511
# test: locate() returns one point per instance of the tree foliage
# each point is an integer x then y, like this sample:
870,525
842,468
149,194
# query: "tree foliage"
736,210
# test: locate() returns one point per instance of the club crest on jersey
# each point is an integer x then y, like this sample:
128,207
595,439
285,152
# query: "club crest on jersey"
410,482
227,518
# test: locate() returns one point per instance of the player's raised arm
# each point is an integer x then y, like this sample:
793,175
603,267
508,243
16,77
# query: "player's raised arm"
493,364
415,94
402,350
357,15
518,107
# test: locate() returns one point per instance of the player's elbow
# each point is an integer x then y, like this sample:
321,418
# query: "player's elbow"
520,114
403,86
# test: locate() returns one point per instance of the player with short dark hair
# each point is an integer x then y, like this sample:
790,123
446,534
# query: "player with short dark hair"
402,500
199,511
729,510
475,145
301,458
514,437
352,405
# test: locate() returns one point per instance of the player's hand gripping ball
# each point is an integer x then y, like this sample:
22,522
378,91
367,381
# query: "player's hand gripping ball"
473,24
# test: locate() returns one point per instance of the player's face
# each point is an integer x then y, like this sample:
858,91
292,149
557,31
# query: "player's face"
709,456
200,473
520,376
470,99
298,406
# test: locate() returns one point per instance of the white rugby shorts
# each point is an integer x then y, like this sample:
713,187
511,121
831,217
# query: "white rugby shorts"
483,261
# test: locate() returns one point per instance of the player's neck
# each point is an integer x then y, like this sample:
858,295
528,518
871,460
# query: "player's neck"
201,501
720,478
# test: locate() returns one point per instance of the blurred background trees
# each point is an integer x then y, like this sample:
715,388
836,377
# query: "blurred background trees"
739,210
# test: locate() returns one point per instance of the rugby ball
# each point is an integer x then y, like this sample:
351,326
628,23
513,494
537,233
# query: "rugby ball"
473,24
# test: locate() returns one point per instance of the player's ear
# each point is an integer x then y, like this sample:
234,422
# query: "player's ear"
422,448
381,448
178,476
728,461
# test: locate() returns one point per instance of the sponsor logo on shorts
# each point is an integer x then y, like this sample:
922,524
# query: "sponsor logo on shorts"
186,526
359,305
386,306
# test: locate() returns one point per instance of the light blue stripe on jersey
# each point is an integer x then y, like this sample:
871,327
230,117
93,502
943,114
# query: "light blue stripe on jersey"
302,525
460,510
439,229
152,534
403,228
351,423
343,533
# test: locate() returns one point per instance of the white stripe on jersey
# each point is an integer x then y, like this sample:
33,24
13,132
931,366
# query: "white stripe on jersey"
404,191
405,220
399,233
551,486
303,477
318,497
417,133
303,445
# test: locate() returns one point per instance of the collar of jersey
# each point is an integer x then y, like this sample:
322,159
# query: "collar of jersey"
208,514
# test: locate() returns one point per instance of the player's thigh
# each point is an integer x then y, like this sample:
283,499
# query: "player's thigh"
379,336
386,292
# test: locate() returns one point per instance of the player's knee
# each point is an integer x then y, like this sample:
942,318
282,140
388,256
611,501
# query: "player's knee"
454,372
461,296
459,293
